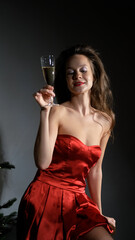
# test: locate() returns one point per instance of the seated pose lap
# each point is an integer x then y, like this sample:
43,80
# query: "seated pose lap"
69,150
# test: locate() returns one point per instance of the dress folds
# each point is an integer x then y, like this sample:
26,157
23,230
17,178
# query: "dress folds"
55,205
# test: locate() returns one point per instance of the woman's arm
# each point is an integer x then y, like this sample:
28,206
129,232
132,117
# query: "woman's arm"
94,178
46,137
48,128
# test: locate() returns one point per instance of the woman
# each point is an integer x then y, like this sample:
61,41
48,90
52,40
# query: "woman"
69,148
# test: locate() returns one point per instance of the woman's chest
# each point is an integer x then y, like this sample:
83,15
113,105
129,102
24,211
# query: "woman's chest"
87,129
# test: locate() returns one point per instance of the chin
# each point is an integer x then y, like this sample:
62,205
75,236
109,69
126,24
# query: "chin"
80,90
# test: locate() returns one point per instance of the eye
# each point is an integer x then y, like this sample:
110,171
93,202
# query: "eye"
70,72
83,69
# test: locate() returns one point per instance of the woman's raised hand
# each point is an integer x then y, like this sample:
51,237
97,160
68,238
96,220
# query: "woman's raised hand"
43,95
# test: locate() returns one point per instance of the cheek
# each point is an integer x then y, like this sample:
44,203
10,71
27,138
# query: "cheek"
90,82
69,83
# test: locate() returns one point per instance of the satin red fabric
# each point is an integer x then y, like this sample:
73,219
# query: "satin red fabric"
55,205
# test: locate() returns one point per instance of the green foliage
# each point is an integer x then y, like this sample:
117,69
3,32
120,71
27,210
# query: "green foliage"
8,204
6,165
7,222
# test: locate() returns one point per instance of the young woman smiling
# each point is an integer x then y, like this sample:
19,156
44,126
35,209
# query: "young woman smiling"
69,149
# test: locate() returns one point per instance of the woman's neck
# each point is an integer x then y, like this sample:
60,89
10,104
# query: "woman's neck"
81,103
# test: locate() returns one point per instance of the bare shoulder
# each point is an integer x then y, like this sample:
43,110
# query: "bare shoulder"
104,120
57,110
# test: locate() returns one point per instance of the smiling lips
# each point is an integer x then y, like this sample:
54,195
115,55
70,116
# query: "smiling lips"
76,84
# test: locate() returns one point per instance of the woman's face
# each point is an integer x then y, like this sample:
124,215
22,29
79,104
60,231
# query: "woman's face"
79,74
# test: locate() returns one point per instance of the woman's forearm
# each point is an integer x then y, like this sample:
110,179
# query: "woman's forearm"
95,183
42,149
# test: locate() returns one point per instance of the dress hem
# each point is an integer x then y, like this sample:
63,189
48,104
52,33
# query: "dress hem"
105,225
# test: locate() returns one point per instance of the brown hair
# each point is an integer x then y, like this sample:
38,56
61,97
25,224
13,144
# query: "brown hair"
101,94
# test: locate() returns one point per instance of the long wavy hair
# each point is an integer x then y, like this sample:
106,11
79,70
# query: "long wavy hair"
101,94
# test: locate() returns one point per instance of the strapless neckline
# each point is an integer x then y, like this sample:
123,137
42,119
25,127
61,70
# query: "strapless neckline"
78,140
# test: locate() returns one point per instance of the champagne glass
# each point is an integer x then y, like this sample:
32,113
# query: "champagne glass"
48,69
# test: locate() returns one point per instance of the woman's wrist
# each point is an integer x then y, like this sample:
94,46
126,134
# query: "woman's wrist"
45,108
44,112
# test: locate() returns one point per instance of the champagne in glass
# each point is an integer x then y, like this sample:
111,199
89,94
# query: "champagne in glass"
49,74
48,69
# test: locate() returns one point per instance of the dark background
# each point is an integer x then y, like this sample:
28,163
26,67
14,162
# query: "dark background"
27,31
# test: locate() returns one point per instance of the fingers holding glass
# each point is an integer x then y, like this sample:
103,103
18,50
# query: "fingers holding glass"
44,95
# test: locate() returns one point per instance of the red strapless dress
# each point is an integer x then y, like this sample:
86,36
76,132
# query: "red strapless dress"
55,205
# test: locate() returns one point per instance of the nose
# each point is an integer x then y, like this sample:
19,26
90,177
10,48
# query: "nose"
77,75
